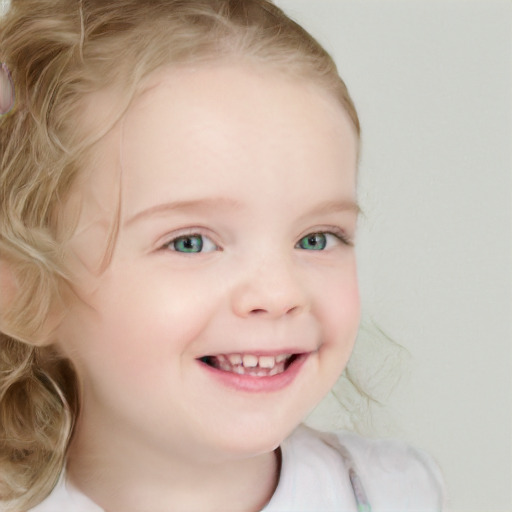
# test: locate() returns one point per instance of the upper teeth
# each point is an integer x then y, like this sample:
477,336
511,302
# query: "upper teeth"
235,359
249,361
252,361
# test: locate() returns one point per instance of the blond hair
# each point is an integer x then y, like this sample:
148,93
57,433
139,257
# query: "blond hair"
59,53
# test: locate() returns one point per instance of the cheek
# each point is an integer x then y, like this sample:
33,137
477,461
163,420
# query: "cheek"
134,316
117,350
339,307
174,308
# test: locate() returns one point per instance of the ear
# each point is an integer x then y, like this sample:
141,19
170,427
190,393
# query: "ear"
10,292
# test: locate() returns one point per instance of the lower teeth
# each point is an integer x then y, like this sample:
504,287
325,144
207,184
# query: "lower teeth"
255,372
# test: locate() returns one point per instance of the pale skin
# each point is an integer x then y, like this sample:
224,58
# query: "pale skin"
261,170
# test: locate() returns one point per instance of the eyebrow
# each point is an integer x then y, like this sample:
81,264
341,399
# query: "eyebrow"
336,206
207,204
221,203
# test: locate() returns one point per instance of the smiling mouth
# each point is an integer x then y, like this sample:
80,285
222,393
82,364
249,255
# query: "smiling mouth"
251,364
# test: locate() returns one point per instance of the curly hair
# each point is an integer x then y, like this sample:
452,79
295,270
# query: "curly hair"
60,52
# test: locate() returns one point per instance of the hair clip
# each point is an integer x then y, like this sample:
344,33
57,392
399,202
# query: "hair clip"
6,90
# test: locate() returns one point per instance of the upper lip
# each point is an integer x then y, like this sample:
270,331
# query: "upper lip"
259,352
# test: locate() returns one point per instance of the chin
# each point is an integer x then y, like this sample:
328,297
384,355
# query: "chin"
256,437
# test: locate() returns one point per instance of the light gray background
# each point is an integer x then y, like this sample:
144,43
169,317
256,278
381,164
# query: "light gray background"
432,83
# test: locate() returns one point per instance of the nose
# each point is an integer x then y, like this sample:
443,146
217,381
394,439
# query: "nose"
273,289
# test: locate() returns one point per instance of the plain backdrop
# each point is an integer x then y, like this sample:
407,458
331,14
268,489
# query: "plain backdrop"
432,84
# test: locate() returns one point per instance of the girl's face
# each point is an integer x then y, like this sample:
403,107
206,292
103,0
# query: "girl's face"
230,304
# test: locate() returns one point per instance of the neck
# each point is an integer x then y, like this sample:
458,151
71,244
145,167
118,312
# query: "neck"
120,475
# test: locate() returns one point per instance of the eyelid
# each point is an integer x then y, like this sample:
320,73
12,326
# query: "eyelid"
342,235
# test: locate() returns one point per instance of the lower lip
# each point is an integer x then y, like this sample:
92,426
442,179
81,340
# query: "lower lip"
253,384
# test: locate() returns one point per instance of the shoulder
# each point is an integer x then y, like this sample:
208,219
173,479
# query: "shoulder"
394,475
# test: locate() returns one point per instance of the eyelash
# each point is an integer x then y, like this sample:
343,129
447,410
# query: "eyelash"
337,233
341,235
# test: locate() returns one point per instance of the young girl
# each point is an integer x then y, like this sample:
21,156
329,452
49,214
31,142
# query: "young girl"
178,212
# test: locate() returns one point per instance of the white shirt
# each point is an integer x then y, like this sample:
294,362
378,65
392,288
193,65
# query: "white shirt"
315,478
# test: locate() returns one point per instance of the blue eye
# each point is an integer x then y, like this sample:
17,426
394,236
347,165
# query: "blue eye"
323,240
191,244
313,242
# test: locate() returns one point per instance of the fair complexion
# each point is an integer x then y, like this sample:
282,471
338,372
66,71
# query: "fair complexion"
237,190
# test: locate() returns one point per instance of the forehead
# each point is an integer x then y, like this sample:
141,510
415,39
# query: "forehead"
229,122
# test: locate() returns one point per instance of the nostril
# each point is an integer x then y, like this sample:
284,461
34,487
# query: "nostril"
280,312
